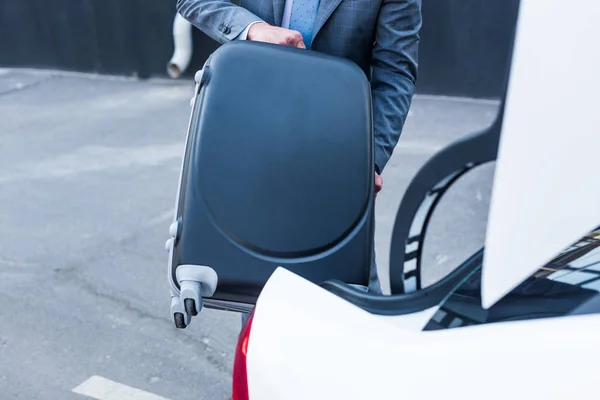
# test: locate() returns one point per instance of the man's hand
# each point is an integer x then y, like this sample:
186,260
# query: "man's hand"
263,32
378,183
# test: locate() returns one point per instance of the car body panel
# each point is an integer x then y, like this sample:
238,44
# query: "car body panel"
308,344
545,192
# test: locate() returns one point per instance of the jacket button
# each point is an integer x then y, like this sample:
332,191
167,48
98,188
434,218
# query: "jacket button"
227,30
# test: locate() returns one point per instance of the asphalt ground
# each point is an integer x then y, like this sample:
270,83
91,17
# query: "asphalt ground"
88,174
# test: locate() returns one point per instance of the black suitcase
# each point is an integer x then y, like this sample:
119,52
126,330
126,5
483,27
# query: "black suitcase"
277,172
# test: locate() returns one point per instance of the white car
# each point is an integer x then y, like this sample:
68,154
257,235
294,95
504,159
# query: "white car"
520,318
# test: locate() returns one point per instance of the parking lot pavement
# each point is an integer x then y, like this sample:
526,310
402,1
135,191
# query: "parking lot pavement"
88,173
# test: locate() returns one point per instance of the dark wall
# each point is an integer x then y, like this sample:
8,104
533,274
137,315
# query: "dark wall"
129,37
465,46
464,43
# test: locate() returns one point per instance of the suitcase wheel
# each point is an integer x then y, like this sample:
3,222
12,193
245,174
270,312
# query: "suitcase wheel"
178,315
179,321
190,307
195,282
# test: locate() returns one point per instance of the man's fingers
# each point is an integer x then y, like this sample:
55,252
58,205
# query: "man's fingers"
378,182
299,40
294,39
263,32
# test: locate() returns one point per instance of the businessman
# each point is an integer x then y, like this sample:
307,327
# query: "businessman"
380,36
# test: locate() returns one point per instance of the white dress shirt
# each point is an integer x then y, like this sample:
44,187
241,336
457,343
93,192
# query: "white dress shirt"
285,22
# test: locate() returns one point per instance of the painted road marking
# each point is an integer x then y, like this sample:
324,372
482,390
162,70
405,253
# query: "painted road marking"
101,388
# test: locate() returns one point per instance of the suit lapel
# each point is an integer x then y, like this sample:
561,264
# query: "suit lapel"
326,8
278,6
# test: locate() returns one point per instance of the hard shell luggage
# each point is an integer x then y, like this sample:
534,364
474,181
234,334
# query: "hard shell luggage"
277,171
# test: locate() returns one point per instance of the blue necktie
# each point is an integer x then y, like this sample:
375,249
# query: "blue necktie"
302,19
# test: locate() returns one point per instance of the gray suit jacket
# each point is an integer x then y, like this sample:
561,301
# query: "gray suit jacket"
381,36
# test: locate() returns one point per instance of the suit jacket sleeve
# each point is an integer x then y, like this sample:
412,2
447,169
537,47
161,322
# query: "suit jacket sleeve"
393,72
221,20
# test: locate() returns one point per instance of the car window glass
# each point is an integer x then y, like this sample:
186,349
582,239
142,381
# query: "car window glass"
568,282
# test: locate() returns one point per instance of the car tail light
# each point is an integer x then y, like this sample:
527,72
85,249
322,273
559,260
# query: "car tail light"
240,373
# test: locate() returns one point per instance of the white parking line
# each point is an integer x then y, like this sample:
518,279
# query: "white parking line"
101,388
